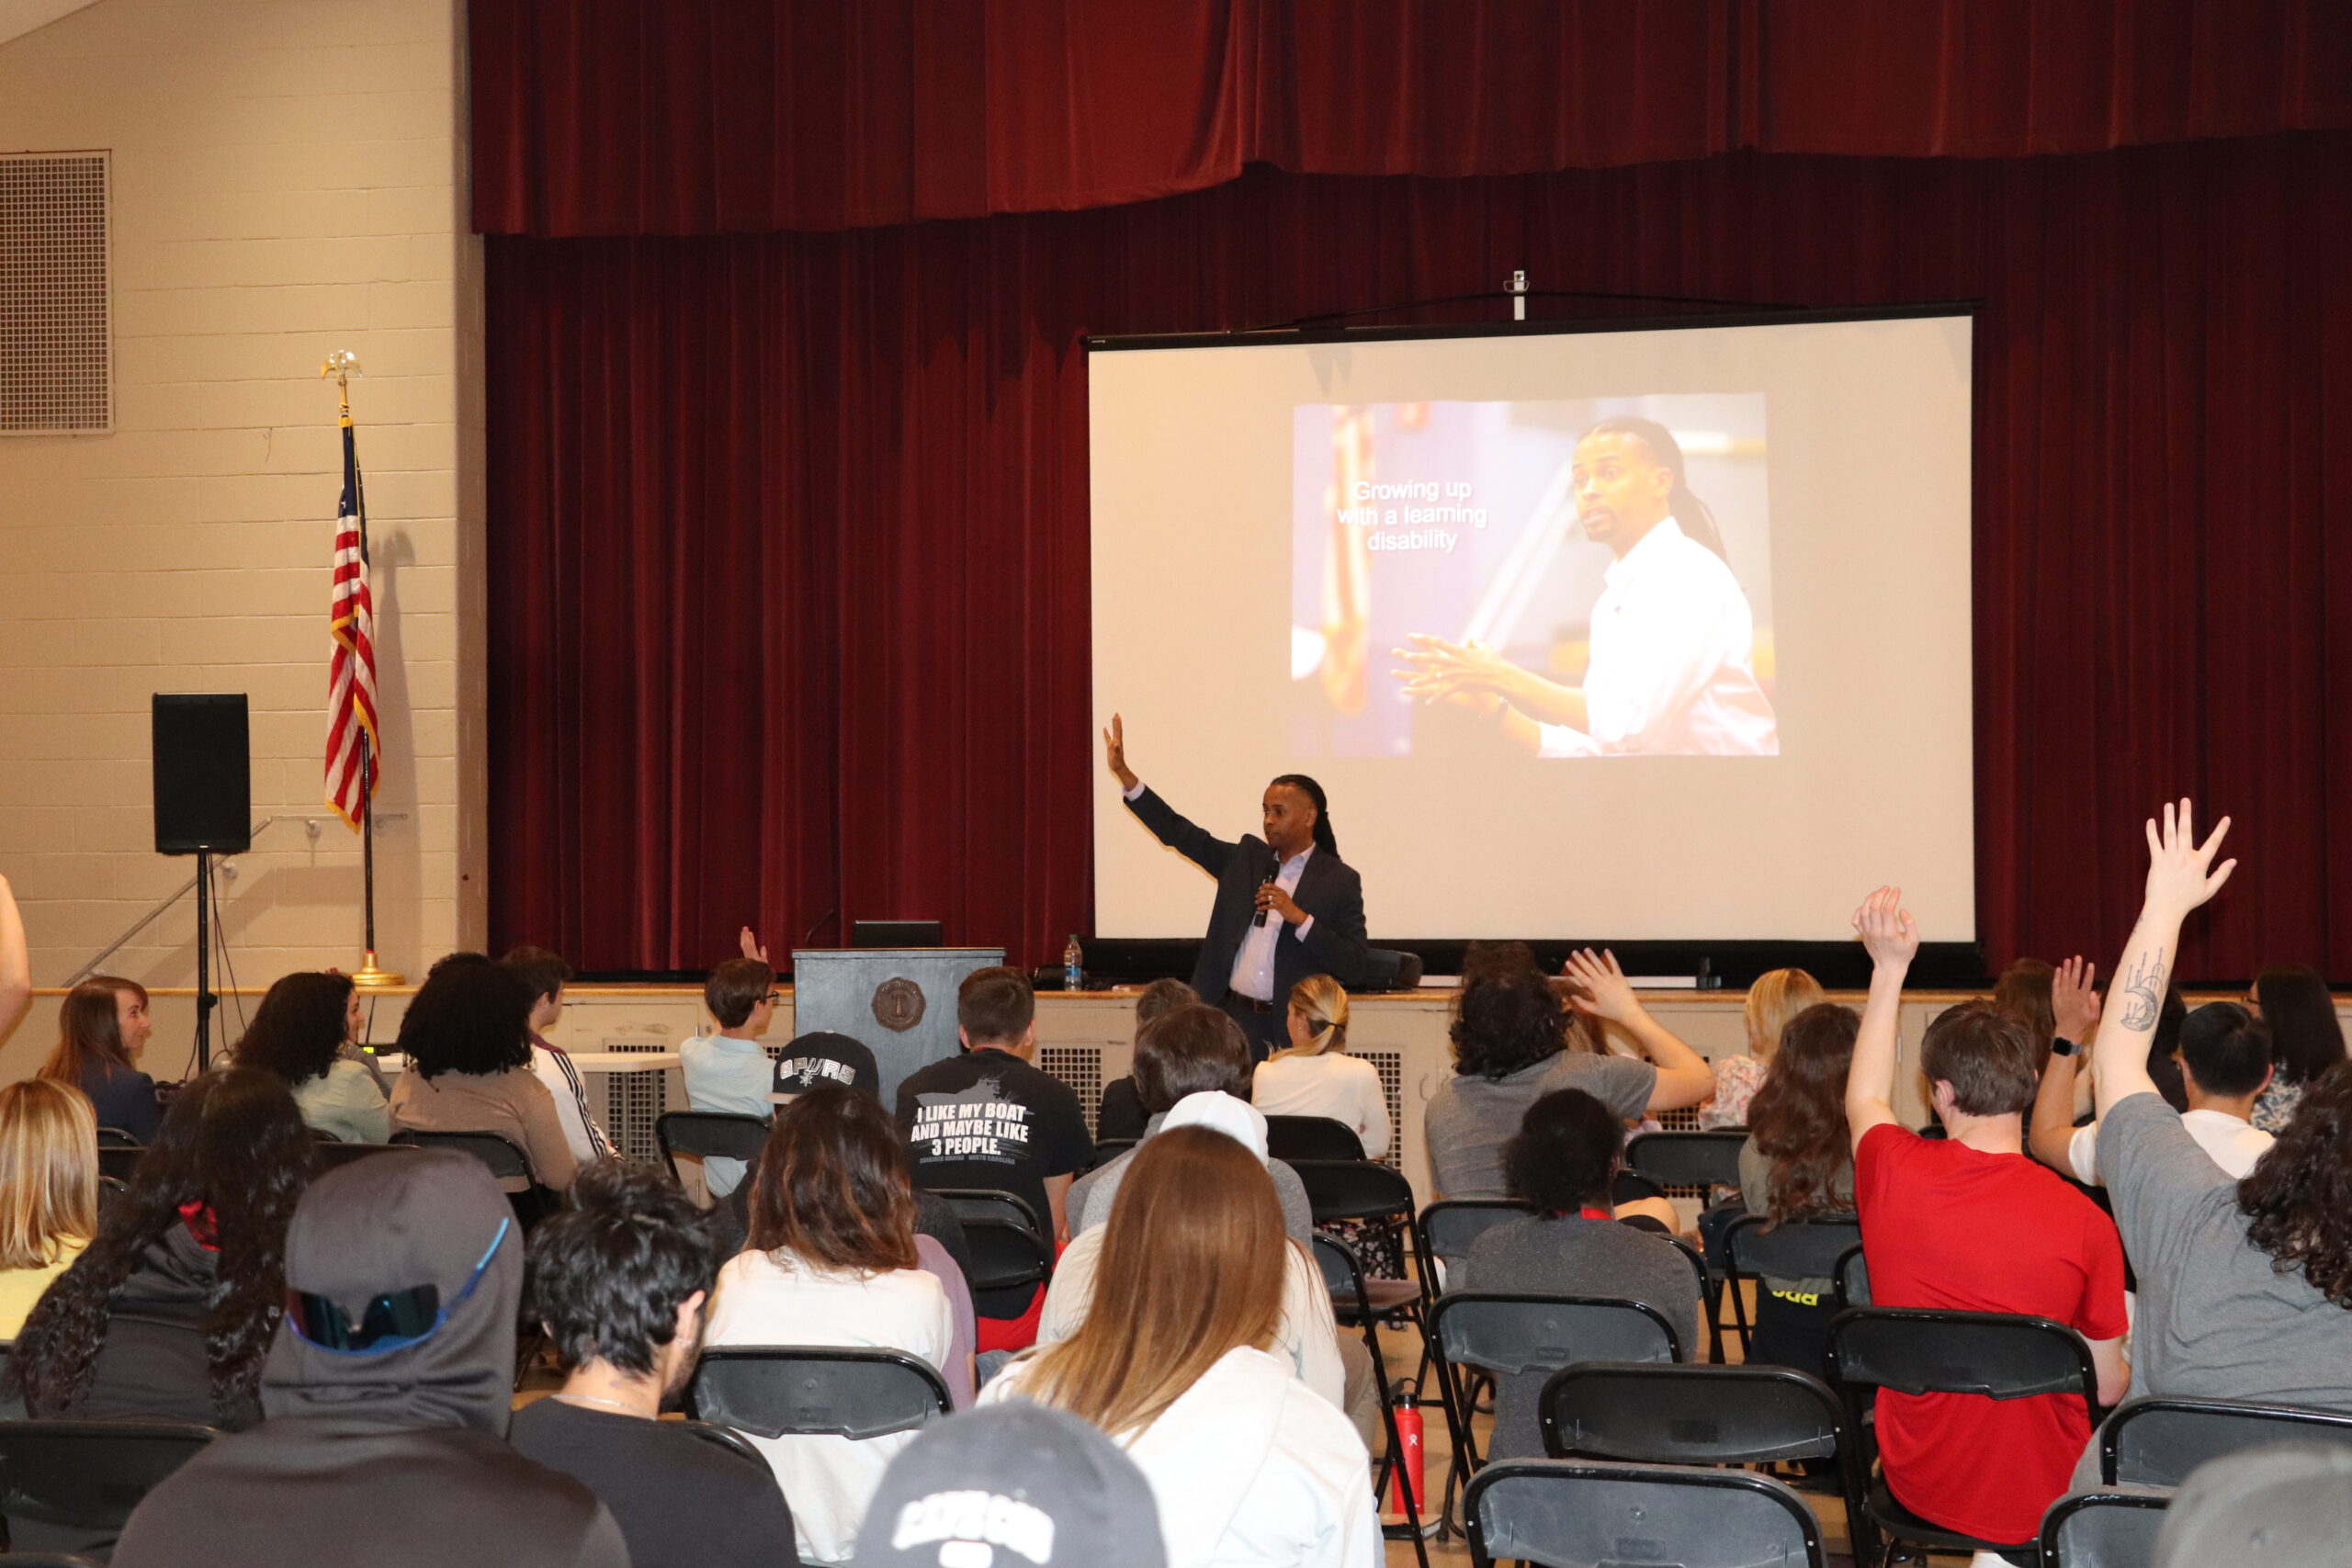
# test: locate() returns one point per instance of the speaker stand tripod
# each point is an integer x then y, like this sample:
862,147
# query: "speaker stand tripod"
205,1001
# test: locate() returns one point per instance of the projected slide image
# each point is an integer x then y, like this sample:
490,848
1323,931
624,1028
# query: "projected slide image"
1586,578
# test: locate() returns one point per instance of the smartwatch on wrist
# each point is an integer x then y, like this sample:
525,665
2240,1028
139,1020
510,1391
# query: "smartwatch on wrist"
2062,1046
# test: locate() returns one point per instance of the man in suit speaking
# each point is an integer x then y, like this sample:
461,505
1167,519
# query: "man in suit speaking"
1287,905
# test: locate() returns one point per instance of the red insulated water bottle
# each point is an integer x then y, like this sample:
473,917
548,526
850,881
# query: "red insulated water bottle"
1409,1454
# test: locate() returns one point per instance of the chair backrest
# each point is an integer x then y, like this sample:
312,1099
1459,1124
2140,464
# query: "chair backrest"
2103,1529
120,1160
1520,1332
1687,1160
116,1138
1450,1225
1805,1249
1354,1189
1853,1276
987,1204
1696,1414
775,1390
1006,1256
89,1474
502,1154
1631,1187
334,1156
1999,1355
1108,1149
2157,1441
718,1436
702,1135
1697,1259
1562,1510
1311,1137
1342,1273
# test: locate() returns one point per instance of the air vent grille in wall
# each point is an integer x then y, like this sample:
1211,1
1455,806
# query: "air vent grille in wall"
55,349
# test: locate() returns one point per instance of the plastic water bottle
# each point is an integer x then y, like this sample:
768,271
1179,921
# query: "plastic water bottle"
1073,966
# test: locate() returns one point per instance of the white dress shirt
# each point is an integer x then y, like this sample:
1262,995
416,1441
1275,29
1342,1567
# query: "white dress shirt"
2230,1142
1672,669
1253,966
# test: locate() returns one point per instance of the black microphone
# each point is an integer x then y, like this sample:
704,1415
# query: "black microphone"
1273,871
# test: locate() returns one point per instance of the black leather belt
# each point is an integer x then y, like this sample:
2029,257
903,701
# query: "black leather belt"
1253,1003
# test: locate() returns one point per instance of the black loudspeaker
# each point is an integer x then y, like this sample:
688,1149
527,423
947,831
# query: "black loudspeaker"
204,780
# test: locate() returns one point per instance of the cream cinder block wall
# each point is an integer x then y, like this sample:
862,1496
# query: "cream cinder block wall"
288,179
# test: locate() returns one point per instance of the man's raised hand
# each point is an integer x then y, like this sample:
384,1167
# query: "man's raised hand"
2180,870
1608,994
751,945
1114,751
2073,1003
1889,934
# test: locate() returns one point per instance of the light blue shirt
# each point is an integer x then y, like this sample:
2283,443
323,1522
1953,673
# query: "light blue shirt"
726,1074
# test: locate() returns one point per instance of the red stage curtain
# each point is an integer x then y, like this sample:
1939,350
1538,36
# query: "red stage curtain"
789,532
701,116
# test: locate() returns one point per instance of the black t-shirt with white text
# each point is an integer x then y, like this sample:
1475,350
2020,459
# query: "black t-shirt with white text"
822,1057
988,1118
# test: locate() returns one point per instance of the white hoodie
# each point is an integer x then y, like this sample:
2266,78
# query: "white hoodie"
1251,1470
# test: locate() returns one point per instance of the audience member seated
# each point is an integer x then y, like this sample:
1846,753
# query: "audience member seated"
729,1071
2245,1285
1308,1337
832,1262
2024,988
298,1035
2225,1058
49,1191
1315,1077
1798,1165
15,966
102,1029
1561,1164
620,1278
1969,1222
467,1038
385,1398
1190,1049
990,1117
2306,1037
1512,1048
1016,1478
1249,1466
1778,996
822,1057
544,975
169,1311
1121,1115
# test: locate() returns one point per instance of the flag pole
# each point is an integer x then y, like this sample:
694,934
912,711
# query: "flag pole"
368,976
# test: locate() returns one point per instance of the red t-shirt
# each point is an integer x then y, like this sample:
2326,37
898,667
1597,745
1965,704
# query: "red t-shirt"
1945,1226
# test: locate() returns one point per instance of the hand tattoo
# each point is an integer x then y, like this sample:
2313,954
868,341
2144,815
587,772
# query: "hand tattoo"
2145,986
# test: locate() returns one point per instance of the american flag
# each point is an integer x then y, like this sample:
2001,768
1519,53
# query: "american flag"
351,678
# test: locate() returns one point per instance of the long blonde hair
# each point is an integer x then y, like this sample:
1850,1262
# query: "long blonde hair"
1322,1001
49,1171
1778,996
1192,1266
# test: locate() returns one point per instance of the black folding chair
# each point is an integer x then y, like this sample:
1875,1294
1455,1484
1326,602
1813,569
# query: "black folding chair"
506,1159
778,1391
1853,1276
334,1156
2103,1529
707,1134
1009,1260
1451,1226
2156,1442
118,1159
1578,1511
1630,1186
116,1138
1291,1138
1693,1160
1108,1149
1755,1248
1918,1350
988,1203
88,1476
1344,1278
1371,1194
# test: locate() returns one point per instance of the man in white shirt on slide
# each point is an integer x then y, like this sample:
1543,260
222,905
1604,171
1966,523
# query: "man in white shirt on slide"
2224,1056
1671,671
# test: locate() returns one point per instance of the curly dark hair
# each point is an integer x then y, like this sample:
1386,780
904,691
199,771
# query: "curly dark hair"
609,1271
1798,1118
298,1029
1566,1153
2298,1199
1505,1020
233,1141
472,1015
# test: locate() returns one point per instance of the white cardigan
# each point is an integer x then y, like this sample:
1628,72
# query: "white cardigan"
1251,1470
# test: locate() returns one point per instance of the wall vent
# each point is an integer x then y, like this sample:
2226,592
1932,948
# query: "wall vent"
56,371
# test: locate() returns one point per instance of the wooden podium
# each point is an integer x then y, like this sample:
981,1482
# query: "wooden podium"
899,1002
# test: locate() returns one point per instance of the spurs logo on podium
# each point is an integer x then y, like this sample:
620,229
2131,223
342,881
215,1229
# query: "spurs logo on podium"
898,1004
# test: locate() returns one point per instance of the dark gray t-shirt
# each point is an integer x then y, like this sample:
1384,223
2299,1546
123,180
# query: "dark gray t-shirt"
1574,1256
2216,1318
1468,1119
